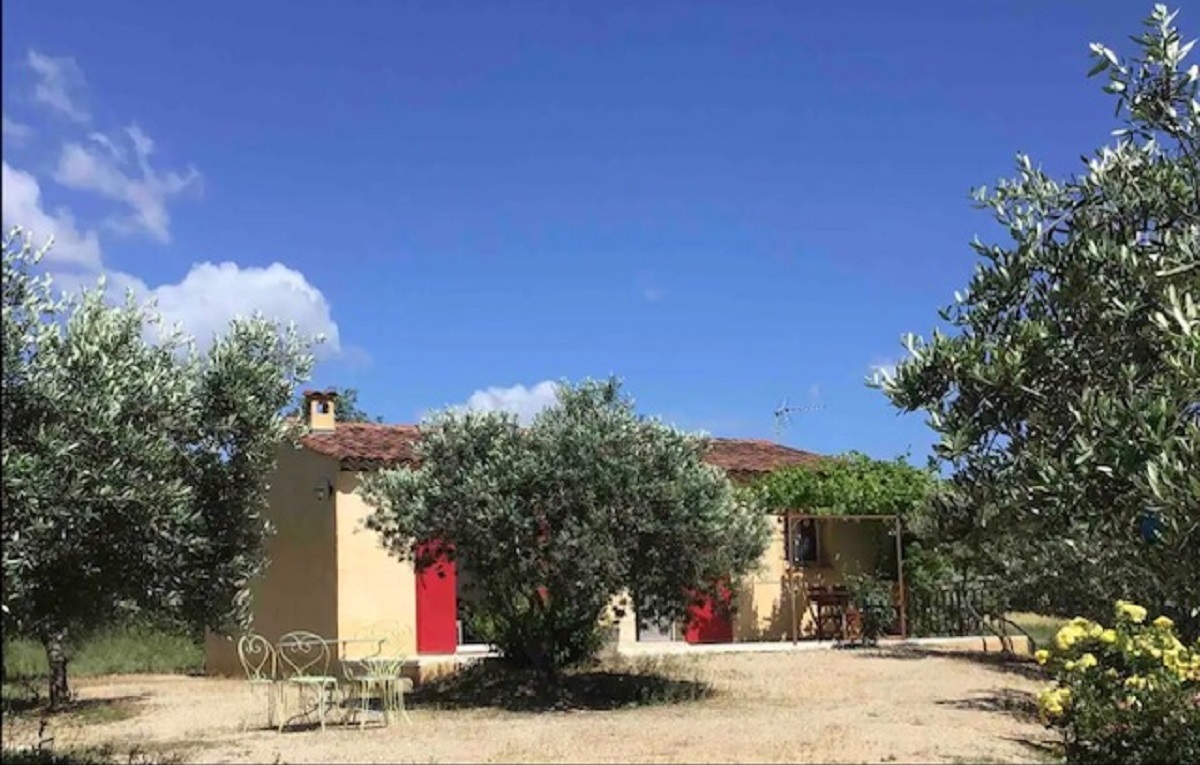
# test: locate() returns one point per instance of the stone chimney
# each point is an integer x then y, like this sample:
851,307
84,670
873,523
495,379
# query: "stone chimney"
322,409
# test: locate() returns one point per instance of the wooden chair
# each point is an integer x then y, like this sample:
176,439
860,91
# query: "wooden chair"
304,662
259,662
828,606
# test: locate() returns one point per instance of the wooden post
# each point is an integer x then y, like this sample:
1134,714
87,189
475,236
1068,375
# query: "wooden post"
789,520
900,578
792,592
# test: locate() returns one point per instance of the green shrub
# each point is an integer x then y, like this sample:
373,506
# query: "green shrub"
1125,694
872,598
133,649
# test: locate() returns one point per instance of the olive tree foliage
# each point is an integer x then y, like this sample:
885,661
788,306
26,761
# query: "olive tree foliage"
134,467
552,521
1067,396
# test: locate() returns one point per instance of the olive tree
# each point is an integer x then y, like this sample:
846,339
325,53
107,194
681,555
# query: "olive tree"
554,520
134,467
1067,393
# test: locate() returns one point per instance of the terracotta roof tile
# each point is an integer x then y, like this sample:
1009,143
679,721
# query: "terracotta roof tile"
365,443
745,455
361,445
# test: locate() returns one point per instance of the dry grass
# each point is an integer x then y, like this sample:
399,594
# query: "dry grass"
819,706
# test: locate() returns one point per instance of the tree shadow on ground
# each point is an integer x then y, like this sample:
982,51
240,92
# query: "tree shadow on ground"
1044,751
1017,704
492,684
104,754
1020,705
88,711
996,660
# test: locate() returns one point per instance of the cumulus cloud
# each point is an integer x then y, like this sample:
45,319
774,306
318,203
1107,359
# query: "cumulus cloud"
210,296
117,166
15,132
60,85
203,302
519,400
103,170
22,206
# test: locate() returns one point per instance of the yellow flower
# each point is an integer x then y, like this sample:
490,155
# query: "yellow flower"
1135,681
1163,623
1042,656
1130,612
1086,661
1108,637
1068,636
1069,665
1053,701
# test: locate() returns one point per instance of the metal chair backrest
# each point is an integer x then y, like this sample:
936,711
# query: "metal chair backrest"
257,656
303,654
390,655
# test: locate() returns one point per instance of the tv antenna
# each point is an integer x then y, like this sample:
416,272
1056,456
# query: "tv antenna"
784,412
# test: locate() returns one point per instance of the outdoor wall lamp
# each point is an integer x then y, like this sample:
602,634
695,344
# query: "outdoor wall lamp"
323,489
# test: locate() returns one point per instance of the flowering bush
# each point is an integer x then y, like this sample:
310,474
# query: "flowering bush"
1129,693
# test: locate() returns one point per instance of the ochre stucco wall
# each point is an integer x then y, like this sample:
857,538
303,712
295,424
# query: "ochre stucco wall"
764,601
374,587
620,614
299,590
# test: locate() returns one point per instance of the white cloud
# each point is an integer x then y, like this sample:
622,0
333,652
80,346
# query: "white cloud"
211,295
60,85
202,303
15,131
649,287
521,401
22,206
109,144
103,172
117,166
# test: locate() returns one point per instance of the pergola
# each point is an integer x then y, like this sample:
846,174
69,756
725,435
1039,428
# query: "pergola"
792,569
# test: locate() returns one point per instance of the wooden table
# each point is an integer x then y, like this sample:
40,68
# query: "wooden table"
828,608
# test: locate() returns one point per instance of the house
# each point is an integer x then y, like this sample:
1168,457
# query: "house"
330,575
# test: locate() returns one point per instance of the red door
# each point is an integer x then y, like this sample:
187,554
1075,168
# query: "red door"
710,622
437,608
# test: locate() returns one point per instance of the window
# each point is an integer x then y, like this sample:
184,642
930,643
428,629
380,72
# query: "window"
803,542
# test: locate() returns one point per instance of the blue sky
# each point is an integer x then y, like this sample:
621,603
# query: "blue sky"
726,204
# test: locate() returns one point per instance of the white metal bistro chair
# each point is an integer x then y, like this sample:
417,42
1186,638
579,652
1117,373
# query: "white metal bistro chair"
258,659
380,673
304,663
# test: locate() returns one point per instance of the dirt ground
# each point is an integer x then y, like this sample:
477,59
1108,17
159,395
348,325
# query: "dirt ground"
905,705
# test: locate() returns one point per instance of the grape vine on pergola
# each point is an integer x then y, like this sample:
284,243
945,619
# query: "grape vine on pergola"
850,487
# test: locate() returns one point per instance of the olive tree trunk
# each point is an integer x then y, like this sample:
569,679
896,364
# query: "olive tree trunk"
55,643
